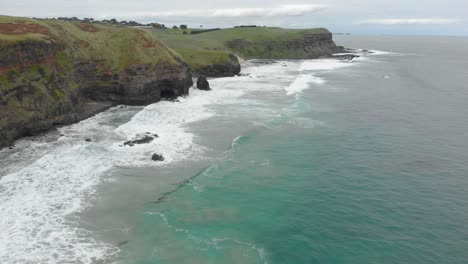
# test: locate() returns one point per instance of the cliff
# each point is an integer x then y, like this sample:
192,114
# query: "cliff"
216,53
54,73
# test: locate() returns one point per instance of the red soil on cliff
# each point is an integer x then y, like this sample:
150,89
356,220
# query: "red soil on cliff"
20,27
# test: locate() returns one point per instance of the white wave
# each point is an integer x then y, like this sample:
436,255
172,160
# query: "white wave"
383,53
302,82
379,52
40,198
40,201
45,185
324,65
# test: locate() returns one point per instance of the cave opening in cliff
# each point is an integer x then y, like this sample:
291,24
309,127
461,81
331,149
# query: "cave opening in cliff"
168,95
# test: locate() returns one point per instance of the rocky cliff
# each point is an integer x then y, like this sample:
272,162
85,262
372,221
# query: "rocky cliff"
304,46
54,73
230,67
215,53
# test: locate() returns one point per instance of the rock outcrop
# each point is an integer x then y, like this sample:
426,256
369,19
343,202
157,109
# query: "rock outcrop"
51,73
227,69
307,45
203,84
145,139
157,157
217,53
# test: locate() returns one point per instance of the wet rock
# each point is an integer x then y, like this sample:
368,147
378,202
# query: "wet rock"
346,57
157,157
88,140
11,147
203,84
143,140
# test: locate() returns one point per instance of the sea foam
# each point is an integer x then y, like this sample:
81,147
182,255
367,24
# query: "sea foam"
46,184
41,199
303,82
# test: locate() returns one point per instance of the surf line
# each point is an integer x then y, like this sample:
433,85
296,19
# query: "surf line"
179,186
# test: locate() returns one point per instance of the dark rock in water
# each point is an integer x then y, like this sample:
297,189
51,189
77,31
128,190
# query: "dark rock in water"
88,140
157,157
202,83
11,147
144,140
156,135
348,57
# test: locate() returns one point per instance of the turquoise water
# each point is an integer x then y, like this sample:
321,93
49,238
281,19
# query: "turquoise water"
363,169
315,161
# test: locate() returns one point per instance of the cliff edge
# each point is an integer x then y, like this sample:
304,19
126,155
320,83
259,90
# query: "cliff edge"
54,72
215,53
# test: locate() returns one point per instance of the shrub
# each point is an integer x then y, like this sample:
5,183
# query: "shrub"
11,75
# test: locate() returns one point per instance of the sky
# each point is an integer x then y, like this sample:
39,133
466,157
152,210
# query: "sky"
401,17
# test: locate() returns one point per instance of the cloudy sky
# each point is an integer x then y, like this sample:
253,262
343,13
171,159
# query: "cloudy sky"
428,17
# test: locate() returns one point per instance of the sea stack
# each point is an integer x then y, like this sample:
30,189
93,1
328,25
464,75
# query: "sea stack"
203,84
157,157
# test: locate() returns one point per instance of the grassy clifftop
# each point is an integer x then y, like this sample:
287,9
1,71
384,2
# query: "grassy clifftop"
201,50
119,47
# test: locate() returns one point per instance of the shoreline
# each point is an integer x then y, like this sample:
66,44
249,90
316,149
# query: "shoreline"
103,168
91,109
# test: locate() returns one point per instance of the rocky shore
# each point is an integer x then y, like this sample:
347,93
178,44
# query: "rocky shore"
57,73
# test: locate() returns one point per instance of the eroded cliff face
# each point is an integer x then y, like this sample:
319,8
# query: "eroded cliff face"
227,69
137,85
46,81
308,46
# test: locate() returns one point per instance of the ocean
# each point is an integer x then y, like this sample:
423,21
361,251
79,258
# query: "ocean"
294,161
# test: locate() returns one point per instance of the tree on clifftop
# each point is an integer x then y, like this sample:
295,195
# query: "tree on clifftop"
183,26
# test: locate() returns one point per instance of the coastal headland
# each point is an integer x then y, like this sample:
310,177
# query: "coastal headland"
55,72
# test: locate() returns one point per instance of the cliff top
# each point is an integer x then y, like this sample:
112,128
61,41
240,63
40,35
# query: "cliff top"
118,46
214,46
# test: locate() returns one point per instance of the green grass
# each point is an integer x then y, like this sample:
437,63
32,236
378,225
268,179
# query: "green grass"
212,47
216,39
44,77
119,47
200,58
